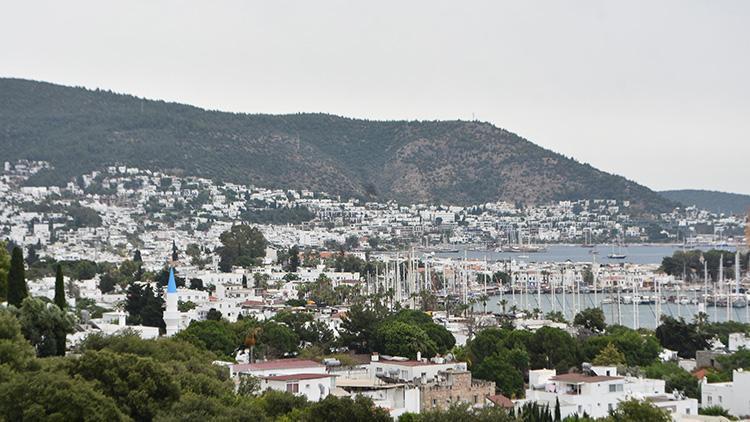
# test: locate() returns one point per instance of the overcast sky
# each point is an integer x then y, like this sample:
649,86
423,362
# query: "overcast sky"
657,91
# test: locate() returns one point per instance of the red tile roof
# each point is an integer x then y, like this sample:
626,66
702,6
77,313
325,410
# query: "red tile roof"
409,362
277,364
294,377
501,400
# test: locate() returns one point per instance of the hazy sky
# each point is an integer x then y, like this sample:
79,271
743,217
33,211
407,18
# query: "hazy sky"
657,91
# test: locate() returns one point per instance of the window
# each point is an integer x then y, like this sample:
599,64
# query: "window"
476,399
613,388
434,402
292,387
709,399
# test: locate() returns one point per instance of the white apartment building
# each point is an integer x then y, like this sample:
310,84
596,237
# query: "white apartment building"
732,396
598,394
299,376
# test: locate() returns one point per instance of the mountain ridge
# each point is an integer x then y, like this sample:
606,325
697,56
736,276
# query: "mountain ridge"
78,129
712,200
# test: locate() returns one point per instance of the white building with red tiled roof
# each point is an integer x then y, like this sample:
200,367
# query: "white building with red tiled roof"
299,376
402,369
599,393
314,387
277,367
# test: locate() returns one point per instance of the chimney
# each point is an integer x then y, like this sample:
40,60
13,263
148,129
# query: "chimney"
419,356
375,357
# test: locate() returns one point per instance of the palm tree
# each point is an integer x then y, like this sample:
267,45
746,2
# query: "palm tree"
503,303
251,339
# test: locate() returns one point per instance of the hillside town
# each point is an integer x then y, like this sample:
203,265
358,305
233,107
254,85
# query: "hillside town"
302,280
120,209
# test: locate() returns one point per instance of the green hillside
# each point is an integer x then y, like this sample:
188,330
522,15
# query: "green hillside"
718,202
79,130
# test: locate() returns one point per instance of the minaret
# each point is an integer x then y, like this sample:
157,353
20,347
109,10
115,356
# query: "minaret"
171,314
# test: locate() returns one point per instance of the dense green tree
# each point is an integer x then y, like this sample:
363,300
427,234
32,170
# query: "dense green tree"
122,375
278,340
609,356
45,326
358,327
17,289
218,336
442,338
4,268
505,368
344,409
308,330
144,306
242,246
715,411
43,395
186,306
197,407
15,350
640,348
552,348
591,318
175,252
722,329
276,404
32,257
675,378
401,339
213,314
293,259
638,411
737,360
60,288
680,336
465,413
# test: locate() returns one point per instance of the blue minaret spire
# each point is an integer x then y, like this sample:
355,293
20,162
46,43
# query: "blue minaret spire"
171,286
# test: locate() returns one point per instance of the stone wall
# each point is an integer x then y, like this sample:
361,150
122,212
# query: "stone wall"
454,387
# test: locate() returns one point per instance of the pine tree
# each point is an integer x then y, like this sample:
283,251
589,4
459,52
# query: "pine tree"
32,256
609,355
59,288
17,289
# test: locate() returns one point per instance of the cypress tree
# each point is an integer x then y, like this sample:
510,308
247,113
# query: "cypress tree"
175,257
59,288
17,289
244,281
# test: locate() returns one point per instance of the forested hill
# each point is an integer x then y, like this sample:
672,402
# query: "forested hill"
719,202
457,162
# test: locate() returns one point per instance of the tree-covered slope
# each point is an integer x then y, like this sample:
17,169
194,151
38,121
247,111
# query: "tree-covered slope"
459,162
719,202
